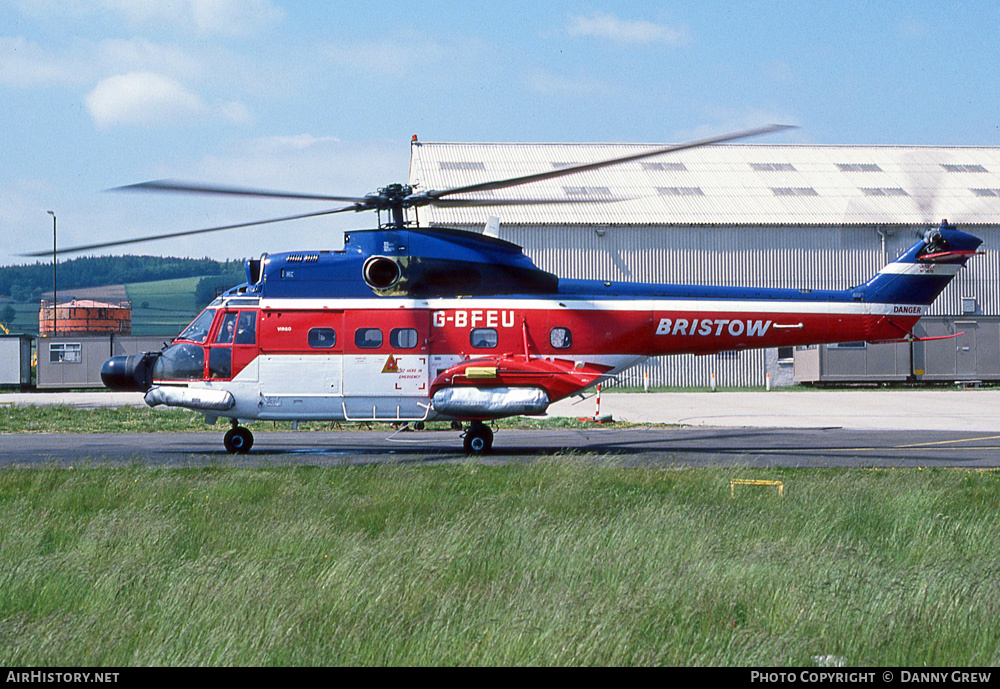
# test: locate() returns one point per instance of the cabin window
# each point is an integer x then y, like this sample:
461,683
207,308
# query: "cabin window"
560,338
322,338
403,338
65,353
368,338
484,338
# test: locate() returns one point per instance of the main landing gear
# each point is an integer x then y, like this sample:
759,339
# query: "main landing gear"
478,439
238,439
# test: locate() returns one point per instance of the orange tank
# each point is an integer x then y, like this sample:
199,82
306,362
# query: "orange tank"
85,316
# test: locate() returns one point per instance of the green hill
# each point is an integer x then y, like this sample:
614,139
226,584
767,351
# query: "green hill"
166,293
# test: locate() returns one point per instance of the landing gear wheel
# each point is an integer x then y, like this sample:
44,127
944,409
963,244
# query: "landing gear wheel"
238,440
478,439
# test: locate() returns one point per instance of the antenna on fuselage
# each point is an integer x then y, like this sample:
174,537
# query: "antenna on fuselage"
492,228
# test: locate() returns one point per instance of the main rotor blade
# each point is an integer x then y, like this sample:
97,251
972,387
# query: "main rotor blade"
186,233
470,203
195,188
574,169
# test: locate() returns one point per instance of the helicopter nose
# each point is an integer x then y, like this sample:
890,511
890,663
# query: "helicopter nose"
131,373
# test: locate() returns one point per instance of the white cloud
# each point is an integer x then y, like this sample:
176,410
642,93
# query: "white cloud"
297,142
25,63
913,28
141,98
236,112
232,17
544,81
387,56
140,54
602,25
215,17
779,71
414,53
147,98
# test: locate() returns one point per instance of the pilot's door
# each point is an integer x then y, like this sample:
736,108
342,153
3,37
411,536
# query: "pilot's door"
233,350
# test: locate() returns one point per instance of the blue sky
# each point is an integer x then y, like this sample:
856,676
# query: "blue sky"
323,97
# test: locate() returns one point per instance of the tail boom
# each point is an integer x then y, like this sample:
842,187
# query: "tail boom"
885,308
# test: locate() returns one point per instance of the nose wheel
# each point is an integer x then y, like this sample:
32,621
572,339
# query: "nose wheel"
238,440
478,439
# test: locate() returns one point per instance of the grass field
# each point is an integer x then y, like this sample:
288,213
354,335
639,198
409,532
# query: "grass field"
565,560
66,419
162,307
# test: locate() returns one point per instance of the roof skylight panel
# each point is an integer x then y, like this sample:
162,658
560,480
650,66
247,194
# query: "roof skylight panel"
884,191
772,167
461,165
963,168
673,167
859,167
794,191
680,191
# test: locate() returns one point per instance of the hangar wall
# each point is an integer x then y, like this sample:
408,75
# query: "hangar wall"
795,216
794,257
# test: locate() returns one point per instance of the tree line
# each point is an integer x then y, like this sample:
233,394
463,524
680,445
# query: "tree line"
25,283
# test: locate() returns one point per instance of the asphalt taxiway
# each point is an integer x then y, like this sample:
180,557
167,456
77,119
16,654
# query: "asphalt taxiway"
632,447
854,428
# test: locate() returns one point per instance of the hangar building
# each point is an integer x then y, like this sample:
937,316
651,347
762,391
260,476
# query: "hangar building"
800,216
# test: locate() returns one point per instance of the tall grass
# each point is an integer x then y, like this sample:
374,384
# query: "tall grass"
560,561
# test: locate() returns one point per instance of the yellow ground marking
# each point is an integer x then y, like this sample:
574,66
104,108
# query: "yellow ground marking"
754,482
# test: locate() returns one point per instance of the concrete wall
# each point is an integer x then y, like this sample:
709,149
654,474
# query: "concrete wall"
806,256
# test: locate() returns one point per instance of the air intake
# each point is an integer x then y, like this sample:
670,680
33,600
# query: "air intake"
381,272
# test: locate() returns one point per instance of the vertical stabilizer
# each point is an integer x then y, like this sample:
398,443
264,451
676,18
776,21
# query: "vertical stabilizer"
924,270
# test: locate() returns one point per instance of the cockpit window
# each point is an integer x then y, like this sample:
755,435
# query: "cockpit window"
227,329
198,330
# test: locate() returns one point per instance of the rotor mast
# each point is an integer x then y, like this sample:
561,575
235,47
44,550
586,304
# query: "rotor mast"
393,199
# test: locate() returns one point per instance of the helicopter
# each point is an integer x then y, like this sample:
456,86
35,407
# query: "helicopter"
407,324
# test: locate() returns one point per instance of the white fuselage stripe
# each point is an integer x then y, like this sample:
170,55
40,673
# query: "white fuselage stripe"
928,269
607,305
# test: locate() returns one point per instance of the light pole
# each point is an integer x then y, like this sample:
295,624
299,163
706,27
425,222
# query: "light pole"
54,317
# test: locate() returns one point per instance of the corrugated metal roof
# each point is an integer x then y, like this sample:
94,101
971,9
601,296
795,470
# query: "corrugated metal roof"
729,184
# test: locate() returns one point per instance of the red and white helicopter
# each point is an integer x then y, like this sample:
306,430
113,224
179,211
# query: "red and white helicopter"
414,324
